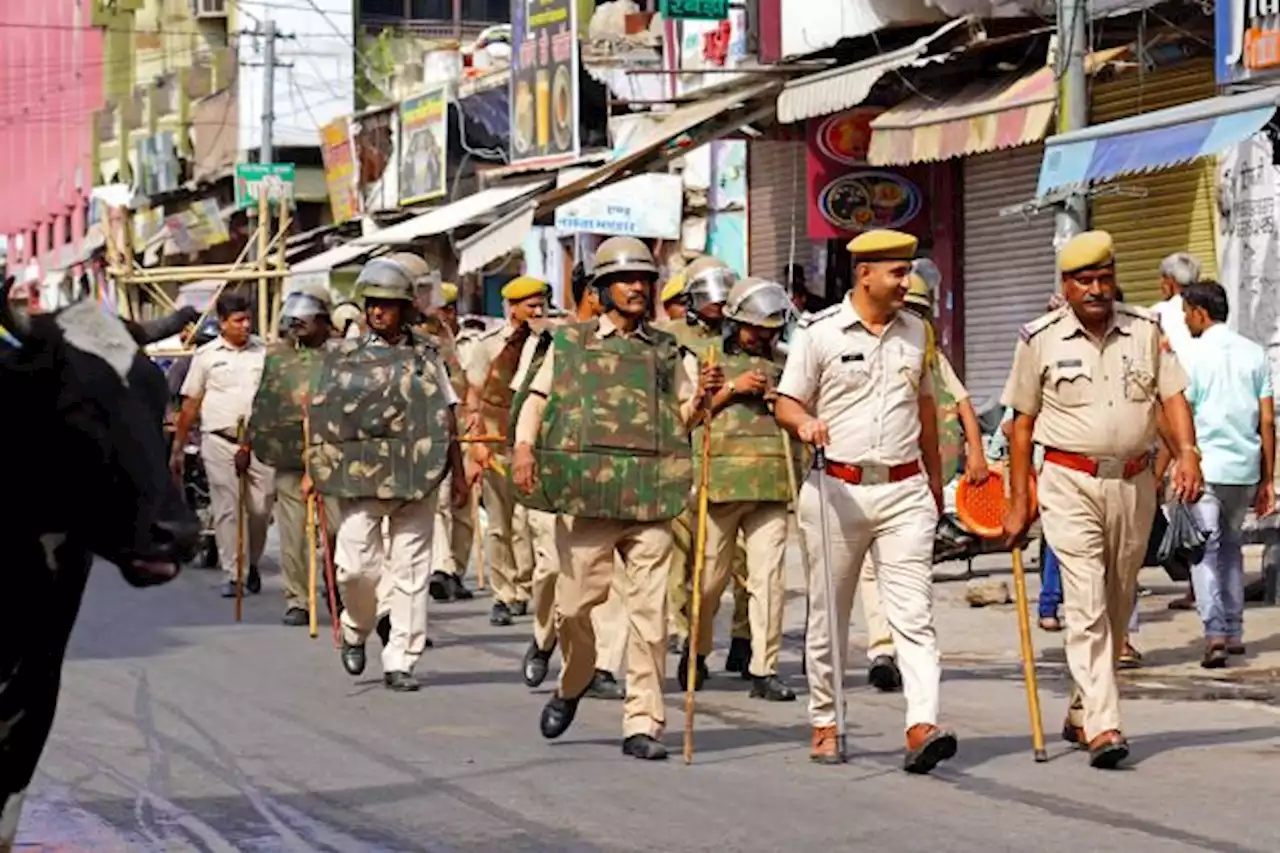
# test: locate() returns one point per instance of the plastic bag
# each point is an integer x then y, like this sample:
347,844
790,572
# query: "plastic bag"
1183,542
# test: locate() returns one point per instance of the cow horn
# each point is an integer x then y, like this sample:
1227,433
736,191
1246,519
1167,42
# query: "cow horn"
13,324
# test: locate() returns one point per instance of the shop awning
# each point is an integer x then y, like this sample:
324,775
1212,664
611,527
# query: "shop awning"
331,259
440,220
847,86
1154,141
496,240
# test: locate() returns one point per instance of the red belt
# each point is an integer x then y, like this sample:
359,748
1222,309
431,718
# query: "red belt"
853,474
1110,469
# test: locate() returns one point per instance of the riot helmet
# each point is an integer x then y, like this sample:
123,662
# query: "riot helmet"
758,302
708,281
622,254
398,276
208,330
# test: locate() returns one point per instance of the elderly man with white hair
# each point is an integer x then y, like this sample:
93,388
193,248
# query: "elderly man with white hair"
1176,272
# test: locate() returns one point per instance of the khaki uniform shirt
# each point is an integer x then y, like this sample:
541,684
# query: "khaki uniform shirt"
227,378
480,353
529,418
865,387
1096,398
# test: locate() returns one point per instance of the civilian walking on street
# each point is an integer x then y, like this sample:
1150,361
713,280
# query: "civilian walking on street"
1231,396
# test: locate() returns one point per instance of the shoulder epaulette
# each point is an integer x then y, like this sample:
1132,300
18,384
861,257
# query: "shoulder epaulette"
1039,324
207,345
809,320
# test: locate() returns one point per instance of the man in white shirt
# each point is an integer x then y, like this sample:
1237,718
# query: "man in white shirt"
1176,272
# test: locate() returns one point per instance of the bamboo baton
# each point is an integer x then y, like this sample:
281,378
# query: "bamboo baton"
1028,651
330,576
793,489
477,537
699,564
241,521
837,643
311,529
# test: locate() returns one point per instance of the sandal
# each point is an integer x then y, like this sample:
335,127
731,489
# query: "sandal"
1130,658
1052,624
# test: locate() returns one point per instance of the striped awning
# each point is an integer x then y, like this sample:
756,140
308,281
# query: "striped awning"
981,117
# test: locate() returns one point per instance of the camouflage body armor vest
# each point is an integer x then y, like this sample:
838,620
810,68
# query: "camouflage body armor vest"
950,430
448,345
495,393
379,420
747,453
611,444
289,374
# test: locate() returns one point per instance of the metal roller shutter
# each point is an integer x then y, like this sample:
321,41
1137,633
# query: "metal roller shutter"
775,204
1180,209
1008,265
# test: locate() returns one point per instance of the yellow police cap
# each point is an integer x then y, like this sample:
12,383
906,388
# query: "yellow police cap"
448,292
674,287
883,245
1090,250
523,287
918,291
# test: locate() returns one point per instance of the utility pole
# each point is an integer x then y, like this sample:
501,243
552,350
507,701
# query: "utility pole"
266,151
1073,104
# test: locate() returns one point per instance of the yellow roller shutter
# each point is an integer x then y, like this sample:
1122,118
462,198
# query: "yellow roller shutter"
1178,213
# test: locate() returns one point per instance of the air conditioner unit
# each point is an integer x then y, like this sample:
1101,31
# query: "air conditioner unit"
209,8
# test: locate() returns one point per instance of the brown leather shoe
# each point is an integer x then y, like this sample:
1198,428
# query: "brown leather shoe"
1074,735
927,747
824,748
1107,750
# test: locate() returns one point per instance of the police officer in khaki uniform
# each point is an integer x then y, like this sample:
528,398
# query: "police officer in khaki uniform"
1088,383
629,515
219,390
490,367
856,384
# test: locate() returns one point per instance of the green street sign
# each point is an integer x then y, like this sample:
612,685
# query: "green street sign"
695,10
253,179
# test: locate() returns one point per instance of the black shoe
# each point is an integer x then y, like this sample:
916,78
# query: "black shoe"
771,689
682,671
253,583
384,630
645,748
605,686
739,657
884,675
228,589
296,617
500,616
353,659
400,682
534,665
520,608
557,716
459,589
441,587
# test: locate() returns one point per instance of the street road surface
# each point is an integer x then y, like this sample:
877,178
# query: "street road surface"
181,731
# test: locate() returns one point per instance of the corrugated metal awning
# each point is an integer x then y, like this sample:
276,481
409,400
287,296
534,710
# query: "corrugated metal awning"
338,256
980,117
448,217
496,240
847,86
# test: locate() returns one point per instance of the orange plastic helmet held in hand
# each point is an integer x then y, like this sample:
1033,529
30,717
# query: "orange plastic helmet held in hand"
981,507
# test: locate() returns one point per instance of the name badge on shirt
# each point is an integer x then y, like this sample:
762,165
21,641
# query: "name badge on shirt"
1071,362
852,356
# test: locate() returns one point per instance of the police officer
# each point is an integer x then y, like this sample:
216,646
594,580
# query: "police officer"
453,531
490,368
748,485
347,320
630,394
696,324
384,436
673,298
856,384
275,435
1088,382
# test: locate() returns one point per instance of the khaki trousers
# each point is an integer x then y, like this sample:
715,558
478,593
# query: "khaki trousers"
291,522
763,527
507,540
588,549
219,456
609,619
680,582
895,524
377,574
879,640
1098,529
453,536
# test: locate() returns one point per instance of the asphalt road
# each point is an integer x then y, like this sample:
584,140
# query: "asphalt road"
181,731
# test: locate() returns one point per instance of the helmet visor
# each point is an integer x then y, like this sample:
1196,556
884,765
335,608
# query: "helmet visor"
767,305
302,306
710,287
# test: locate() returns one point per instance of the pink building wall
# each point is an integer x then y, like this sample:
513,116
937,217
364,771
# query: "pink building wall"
51,82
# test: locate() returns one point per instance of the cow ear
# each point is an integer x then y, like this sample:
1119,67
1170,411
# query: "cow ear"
15,325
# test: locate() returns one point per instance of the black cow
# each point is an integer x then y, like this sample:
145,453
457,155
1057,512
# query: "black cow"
84,408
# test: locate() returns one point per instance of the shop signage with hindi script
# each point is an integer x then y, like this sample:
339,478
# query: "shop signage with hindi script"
424,146
648,205
544,82
695,10
1247,41
339,169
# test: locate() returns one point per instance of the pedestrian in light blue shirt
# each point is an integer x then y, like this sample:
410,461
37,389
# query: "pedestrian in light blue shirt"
1231,397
